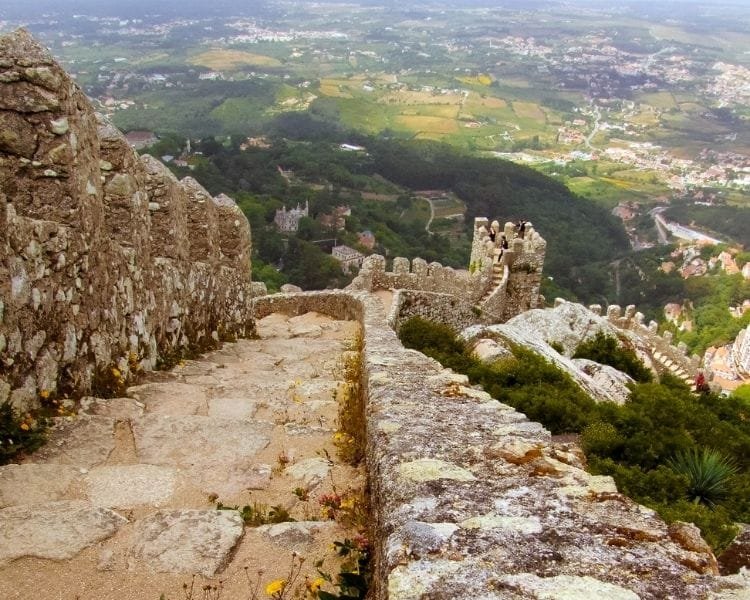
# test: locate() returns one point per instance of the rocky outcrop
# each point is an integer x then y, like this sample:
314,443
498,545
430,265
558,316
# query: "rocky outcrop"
737,555
567,325
538,329
106,259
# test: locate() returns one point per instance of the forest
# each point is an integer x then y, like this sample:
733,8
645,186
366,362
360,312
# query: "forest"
326,177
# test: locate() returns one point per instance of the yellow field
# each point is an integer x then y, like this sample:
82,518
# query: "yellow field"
663,100
474,100
646,118
427,125
515,82
333,90
342,88
435,137
529,110
690,107
232,59
481,79
431,110
409,97
156,56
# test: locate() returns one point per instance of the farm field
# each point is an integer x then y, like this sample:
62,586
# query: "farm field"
221,59
668,91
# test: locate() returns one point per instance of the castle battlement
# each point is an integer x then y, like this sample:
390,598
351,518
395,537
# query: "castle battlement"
674,358
498,285
418,274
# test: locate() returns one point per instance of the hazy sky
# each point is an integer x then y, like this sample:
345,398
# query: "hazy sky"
28,9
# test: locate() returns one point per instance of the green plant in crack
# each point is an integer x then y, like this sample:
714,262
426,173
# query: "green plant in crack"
257,514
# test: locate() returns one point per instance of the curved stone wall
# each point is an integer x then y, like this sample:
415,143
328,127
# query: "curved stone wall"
106,259
668,356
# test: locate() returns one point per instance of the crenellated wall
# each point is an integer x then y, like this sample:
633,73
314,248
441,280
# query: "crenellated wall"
106,259
667,355
499,286
420,275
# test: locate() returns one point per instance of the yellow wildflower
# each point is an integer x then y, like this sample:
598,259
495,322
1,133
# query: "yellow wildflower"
116,372
276,587
315,584
348,503
25,426
44,394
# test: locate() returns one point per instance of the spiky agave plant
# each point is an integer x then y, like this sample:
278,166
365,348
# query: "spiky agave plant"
708,472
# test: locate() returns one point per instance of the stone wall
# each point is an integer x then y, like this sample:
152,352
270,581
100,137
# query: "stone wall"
419,275
447,309
497,300
667,355
471,500
106,260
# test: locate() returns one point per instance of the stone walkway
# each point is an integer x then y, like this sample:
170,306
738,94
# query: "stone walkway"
121,502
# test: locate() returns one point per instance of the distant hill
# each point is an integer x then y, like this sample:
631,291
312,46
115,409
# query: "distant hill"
578,231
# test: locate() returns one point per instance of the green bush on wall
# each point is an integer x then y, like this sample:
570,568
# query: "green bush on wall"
606,350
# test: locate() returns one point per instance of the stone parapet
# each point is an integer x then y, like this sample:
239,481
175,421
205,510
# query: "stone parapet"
471,500
673,357
497,299
447,309
419,275
106,260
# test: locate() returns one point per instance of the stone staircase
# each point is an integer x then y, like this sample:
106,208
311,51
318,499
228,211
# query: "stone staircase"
497,275
674,368
121,501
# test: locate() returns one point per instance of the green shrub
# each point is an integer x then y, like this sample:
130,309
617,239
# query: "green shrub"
606,350
259,514
708,473
436,341
716,524
743,393
601,439
19,433
659,485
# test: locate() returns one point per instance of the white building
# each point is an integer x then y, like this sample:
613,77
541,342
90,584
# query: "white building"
348,257
288,220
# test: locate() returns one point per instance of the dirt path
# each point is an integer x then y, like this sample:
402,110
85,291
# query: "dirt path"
121,503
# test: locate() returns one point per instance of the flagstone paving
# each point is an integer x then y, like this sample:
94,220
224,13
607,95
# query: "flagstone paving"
121,502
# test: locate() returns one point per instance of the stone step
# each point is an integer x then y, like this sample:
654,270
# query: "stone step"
54,530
